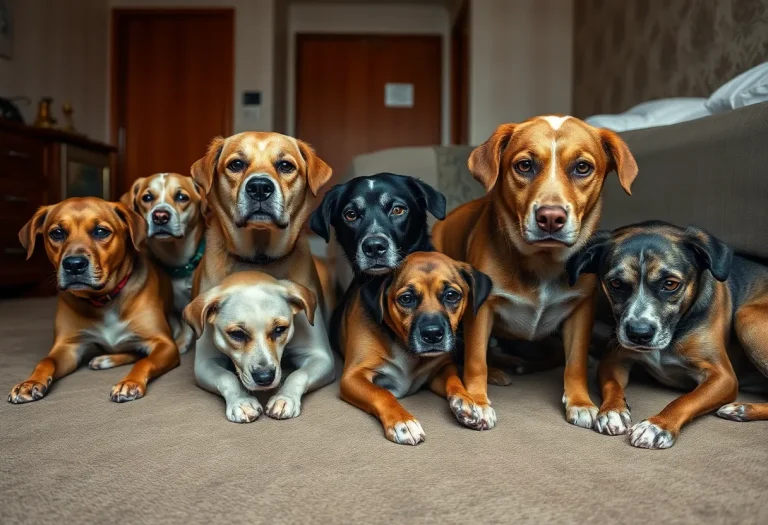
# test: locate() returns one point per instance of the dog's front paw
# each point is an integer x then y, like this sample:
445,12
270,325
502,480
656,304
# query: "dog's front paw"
244,410
734,412
102,362
281,406
650,435
613,423
28,391
582,415
127,391
465,410
406,432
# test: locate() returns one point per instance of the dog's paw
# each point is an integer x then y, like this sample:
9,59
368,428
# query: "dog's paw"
583,416
649,435
467,412
734,412
498,377
28,391
281,406
102,362
244,410
406,432
613,423
127,391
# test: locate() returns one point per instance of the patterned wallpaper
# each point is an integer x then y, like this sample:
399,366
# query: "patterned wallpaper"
632,51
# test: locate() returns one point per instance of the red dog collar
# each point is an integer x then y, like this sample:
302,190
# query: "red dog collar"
106,299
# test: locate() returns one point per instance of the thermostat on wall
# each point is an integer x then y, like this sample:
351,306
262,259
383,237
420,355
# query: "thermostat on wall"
398,95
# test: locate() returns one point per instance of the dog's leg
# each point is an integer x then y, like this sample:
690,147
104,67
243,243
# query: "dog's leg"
315,369
163,356
62,360
613,374
185,338
103,362
400,426
477,330
447,384
577,332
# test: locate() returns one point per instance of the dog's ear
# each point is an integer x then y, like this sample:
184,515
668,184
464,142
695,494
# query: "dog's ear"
620,159
320,220
318,172
301,298
479,283
433,200
130,196
202,310
373,294
203,198
712,253
204,169
485,160
137,226
28,233
587,260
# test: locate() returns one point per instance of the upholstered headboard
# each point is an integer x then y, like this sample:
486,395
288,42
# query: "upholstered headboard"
632,51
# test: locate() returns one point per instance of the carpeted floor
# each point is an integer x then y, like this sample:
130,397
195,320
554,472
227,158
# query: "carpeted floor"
172,457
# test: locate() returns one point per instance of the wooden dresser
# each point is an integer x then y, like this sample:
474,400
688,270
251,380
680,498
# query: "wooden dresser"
39,167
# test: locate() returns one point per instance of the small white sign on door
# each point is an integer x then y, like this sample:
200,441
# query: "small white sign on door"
398,95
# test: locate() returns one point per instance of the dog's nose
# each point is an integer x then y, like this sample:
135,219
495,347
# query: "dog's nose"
375,246
75,265
640,332
263,376
551,219
259,189
432,334
160,217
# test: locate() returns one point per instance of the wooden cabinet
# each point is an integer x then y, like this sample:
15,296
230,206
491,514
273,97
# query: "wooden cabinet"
40,167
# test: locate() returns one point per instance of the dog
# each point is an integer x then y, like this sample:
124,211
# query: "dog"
399,334
111,297
174,209
250,320
678,297
544,179
260,188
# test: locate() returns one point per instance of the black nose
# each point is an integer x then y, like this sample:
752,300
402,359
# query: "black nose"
259,189
160,217
640,332
75,265
375,246
263,376
432,334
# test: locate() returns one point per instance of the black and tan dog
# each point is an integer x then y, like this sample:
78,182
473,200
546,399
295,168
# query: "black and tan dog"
399,334
693,314
112,298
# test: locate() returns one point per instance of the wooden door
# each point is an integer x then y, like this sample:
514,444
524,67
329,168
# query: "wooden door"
172,88
460,77
340,88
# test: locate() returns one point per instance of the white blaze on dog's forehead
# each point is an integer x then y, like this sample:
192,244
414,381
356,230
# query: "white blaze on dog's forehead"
553,161
555,122
254,305
370,183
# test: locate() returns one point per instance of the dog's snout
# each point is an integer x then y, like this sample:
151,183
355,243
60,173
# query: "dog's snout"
259,189
640,332
75,264
432,333
375,246
161,217
551,219
263,376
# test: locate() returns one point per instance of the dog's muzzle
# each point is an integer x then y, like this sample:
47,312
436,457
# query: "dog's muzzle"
431,335
76,272
376,255
163,221
261,202
550,223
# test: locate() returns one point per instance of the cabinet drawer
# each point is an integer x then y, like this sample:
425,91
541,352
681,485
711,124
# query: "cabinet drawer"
21,156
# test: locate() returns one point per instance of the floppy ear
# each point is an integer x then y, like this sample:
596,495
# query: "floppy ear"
587,260
373,294
137,226
203,170
129,197
712,253
479,283
621,161
202,310
29,231
485,160
301,298
433,200
203,198
320,220
318,172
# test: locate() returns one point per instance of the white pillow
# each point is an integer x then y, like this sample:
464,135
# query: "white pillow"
748,88
653,113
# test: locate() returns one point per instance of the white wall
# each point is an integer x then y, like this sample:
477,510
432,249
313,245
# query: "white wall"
60,50
521,61
363,18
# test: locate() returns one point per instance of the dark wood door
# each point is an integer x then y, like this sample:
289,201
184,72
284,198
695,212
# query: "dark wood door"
172,88
340,93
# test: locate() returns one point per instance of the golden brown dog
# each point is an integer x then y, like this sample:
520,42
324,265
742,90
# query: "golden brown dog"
260,189
398,333
111,297
544,179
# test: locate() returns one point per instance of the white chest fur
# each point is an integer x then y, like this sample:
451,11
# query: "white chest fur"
668,368
112,334
533,318
403,373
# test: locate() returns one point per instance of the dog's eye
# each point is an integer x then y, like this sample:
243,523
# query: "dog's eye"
100,232
452,296
147,197
406,300
583,168
524,166
182,197
671,285
278,331
616,284
398,210
284,166
238,335
236,165
350,215
57,234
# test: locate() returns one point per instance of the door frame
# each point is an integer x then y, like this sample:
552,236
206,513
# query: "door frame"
116,73
460,54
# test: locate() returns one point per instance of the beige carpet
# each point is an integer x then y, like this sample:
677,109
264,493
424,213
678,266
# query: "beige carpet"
172,457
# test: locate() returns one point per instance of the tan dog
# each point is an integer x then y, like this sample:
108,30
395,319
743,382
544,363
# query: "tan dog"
173,207
544,179
260,189
111,297
398,333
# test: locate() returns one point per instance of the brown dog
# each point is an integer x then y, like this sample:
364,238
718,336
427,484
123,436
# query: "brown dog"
260,189
398,333
111,297
544,179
